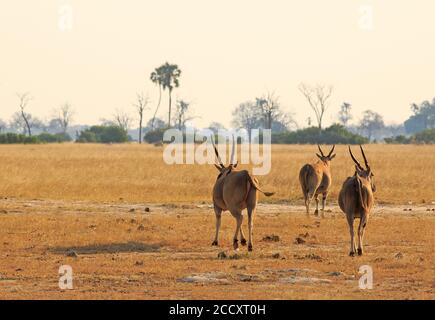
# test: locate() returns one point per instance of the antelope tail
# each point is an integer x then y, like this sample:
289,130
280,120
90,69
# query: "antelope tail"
254,183
360,191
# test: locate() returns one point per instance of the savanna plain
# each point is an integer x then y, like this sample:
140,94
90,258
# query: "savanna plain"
133,227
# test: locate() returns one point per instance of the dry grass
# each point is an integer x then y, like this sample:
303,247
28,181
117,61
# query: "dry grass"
136,173
90,200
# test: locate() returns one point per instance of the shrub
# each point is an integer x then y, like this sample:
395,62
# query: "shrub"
154,136
103,134
335,134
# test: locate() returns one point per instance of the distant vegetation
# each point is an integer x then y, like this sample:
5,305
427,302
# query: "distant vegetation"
335,134
16,138
424,137
264,111
103,134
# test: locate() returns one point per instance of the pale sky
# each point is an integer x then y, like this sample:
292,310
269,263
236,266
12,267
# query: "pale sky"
229,52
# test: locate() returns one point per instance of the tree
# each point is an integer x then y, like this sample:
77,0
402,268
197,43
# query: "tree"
216,126
157,123
269,106
181,114
63,117
317,97
3,126
122,119
247,116
141,105
24,99
371,122
423,117
344,115
167,76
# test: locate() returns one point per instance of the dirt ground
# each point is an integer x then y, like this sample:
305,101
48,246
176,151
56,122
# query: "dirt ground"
140,251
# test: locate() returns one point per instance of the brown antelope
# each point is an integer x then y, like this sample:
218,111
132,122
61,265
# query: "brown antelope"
356,200
316,179
235,191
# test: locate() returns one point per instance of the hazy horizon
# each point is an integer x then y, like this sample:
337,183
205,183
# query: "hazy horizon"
229,52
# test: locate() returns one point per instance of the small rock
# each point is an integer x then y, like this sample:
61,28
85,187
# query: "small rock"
139,263
276,255
133,221
131,210
398,255
141,228
147,209
335,274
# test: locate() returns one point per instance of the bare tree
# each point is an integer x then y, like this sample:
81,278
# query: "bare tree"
141,105
344,115
25,98
181,115
122,119
64,116
3,125
317,98
270,109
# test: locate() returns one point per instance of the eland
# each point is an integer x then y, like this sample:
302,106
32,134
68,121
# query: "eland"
356,200
315,179
235,190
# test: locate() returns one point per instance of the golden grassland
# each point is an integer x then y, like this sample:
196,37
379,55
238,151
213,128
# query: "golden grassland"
90,200
137,173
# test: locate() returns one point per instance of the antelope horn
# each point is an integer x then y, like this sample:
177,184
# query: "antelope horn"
354,160
364,156
332,150
217,153
320,149
233,151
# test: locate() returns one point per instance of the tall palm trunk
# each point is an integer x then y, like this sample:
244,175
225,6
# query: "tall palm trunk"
170,107
157,108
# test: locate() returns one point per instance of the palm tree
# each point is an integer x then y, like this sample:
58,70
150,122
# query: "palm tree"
166,77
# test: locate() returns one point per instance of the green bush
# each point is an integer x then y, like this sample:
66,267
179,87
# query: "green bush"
335,134
53,138
154,136
103,134
426,136
16,138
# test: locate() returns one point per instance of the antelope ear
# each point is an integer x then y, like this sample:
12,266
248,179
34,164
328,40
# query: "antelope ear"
332,157
235,165
218,167
319,156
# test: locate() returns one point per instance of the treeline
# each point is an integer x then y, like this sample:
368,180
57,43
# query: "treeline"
260,112
424,137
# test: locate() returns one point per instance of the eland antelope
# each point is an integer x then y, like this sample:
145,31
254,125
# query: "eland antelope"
316,179
356,200
235,191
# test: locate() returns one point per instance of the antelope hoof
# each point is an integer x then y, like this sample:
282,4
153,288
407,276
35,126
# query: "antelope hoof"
214,243
316,213
243,242
351,254
250,247
360,252
235,244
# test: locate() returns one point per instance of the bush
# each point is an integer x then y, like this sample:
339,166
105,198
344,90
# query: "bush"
154,136
103,134
426,136
16,138
53,138
335,134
